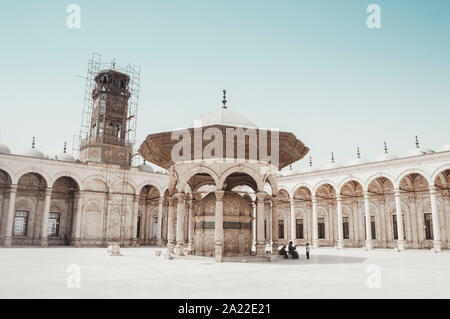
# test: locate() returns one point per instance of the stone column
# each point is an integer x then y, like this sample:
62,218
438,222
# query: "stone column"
260,236
436,221
368,242
45,214
218,222
191,224
399,216
293,235
10,217
180,223
77,220
340,241
160,217
170,225
315,241
275,238
253,226
135,240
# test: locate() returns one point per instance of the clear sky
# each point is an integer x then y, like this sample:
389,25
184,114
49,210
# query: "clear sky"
310,67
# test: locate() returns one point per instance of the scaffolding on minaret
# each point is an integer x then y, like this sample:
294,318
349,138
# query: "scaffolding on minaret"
95,65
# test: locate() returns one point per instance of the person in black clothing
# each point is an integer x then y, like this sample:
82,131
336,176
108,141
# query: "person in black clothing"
292,251
307,250
283,252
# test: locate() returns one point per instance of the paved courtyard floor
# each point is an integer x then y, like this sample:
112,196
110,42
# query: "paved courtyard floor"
138,273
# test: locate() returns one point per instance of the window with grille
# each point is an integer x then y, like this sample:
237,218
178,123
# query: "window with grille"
20,223
394,226
428,226
299,228
155,228
281,229
53,224
321,228
138,230
345,228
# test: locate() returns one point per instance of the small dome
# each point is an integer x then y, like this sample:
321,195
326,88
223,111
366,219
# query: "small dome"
308,169
415,152
386,157
4,149
223,117
332,166
33,152
66,157
357,161
444,148
146,168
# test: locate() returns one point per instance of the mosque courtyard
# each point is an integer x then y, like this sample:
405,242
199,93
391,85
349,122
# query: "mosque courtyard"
138,273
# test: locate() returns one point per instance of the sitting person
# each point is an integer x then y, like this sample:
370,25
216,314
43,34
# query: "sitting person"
293,251
283,252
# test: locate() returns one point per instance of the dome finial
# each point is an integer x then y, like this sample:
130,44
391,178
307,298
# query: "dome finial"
358,153
417,142
310,161
332,157
33,142
65,148
224,101
385,148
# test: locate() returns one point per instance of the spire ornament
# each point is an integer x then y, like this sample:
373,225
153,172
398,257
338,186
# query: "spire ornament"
358,153
385,148
33,142
417,142
224,101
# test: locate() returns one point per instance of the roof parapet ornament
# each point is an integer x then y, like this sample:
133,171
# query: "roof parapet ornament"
224,101
417,142
65,148
310,161
385,148
33,142
358,153
332,157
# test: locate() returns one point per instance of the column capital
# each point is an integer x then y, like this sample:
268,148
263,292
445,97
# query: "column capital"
13,188
48,191
366,195
397,191
314,199
171,200
180,197
261,196
219,194
433,189
292,201
338,197
191,203
160,201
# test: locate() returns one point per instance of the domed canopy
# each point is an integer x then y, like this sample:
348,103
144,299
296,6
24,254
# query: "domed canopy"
65,157
386,157
223,117
146,168
415,152
33,152
4,149
357,161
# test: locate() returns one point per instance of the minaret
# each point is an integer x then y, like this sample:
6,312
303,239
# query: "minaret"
106,140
